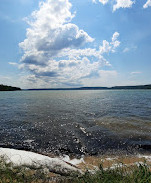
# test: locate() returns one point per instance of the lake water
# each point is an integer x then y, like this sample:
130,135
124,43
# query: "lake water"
76,122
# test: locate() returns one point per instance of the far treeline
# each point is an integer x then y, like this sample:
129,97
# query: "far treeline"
8,88
138,87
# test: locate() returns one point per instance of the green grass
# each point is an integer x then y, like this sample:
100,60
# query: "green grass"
135,174
10,174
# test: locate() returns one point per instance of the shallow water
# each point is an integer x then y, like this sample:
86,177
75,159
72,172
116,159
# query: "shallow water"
76,122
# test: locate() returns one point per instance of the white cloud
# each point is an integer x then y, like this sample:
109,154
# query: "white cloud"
52,48
118,3
13,63
147,4
4,78
106,78
130,48
126,50
50,32
110,47
103,1
136,72
122,4
94,1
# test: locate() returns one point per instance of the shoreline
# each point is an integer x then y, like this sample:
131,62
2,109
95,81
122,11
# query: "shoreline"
89,161
41,168
129,151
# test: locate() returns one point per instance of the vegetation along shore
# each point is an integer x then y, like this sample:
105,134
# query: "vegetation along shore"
27,167
8,88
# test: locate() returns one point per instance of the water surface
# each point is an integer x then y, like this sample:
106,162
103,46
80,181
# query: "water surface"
76,122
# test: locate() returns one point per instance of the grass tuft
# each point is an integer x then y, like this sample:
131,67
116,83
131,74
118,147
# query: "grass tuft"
120,174
133,174
10,174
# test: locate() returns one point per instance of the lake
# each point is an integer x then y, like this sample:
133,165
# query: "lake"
76,122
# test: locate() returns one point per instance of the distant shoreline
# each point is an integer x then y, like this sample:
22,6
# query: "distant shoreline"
137,87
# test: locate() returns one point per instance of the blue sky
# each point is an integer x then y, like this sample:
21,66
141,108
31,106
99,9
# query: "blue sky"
72,43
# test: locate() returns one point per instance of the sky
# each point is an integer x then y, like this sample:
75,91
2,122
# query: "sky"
75,43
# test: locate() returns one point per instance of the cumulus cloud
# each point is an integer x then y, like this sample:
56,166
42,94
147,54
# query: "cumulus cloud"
56,50
118,3
50,32
147,4
110,47
106,78
122,4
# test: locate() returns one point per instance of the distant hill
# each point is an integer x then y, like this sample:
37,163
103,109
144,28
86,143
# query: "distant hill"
8,88
138,87
132,87
81,88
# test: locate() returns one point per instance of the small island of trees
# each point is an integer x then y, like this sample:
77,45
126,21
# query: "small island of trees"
8,88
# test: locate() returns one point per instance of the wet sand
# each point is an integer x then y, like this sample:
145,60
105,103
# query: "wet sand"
93,163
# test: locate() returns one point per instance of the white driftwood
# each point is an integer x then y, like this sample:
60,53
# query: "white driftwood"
30,159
